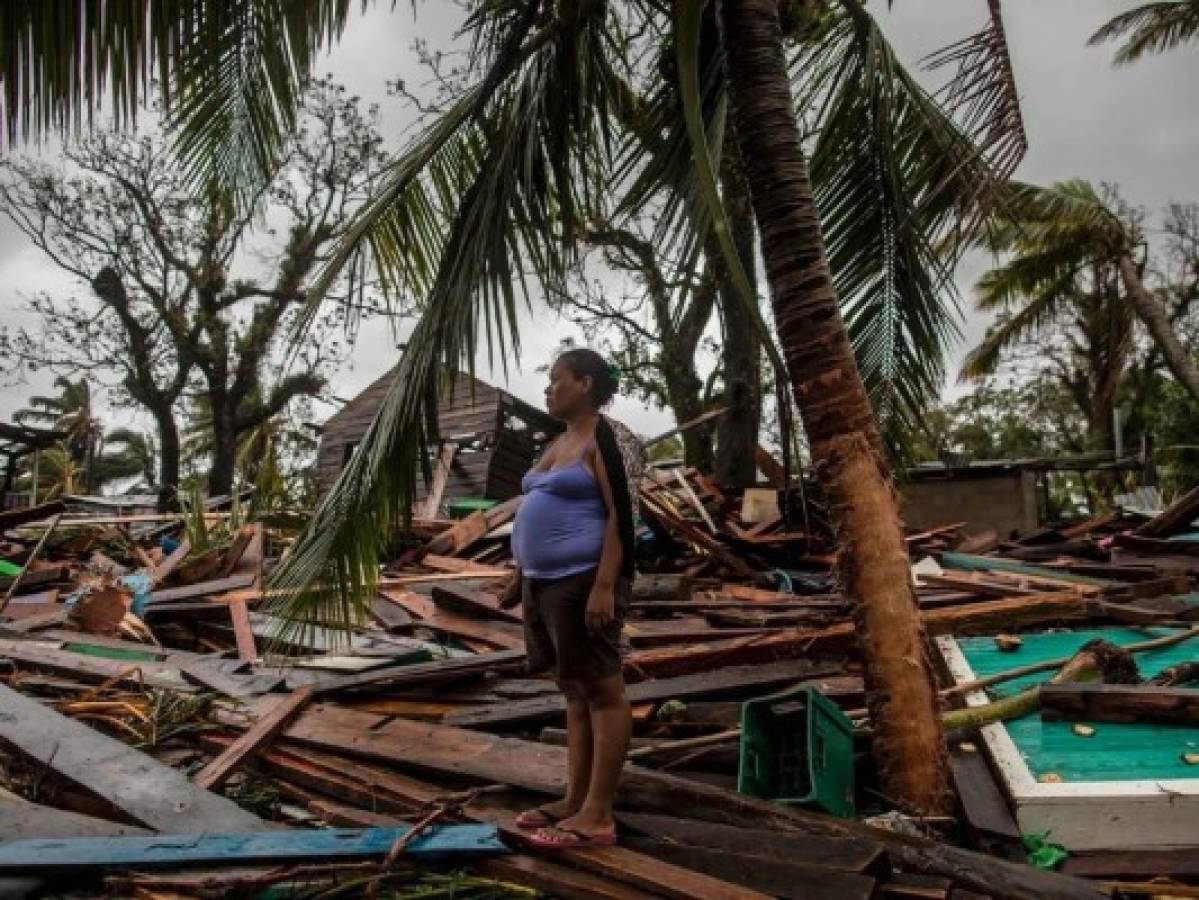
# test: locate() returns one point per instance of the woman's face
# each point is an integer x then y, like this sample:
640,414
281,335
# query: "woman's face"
566,394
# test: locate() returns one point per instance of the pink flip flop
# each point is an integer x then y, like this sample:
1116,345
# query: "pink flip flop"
558,838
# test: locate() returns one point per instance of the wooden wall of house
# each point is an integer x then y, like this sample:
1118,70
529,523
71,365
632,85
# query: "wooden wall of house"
492,469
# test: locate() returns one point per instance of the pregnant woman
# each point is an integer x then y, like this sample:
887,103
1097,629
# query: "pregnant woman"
573,543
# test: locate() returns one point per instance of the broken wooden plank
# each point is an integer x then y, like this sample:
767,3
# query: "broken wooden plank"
986,810
264,730
243,632
21,819
722,683
171,561
770,467
143,789
1142,704
847,854
49,855
556,880
455,564
465,532
50,657
542,768
14,518
504,635
773,877
203,588
476,603
438,671
232,677
441,476
1178,516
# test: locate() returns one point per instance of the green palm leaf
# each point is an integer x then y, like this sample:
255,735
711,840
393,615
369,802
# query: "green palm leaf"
537,132
229,72
898,185
241,70
1152,28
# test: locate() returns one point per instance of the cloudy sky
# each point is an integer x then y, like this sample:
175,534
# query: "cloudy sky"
1136,126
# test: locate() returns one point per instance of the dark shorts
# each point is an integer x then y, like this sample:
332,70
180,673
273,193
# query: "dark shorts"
556,635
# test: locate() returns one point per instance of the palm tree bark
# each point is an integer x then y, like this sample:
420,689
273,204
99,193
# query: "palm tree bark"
1156,319
741,355
836,413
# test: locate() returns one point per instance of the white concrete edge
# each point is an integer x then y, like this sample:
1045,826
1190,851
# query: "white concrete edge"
1018,778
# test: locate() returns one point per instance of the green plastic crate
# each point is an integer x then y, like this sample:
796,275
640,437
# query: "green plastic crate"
797,748
464,506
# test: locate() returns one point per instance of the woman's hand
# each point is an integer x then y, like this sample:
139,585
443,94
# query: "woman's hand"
510,597
601,607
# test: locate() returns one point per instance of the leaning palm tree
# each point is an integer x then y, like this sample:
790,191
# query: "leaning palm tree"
490,196
1061,228
1152,28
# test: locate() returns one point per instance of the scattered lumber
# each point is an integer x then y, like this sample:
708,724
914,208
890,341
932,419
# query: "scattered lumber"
14,518
146,791
729,682
218,770
1178,516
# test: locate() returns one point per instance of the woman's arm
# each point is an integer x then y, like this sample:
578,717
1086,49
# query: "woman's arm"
601,605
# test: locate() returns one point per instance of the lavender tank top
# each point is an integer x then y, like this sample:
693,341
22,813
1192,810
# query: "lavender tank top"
559,528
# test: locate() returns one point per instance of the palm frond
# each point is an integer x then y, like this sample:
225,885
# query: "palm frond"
241,71
898,185
984,359
982,96
542,159
1152,28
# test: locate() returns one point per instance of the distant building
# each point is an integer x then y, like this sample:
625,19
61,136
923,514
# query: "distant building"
1004,496
497,435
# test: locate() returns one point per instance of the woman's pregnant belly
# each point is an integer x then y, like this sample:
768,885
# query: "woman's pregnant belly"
555,536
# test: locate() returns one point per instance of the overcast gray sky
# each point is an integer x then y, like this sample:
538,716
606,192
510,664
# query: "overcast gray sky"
1135,126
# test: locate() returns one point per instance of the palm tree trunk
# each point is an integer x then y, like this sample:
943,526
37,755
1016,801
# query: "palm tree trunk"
836,414
741,355
1153,314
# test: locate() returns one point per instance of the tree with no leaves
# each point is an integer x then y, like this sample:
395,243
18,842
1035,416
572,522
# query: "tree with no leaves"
167,315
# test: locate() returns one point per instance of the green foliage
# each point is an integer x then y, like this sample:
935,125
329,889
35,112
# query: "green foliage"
1152,28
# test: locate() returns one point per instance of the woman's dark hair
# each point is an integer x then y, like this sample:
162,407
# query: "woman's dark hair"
605,378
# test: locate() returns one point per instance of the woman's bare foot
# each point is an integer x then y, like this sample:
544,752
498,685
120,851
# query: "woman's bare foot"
587,823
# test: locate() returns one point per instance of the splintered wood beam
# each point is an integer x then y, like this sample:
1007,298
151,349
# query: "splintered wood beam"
437,672
445,462
243,632
171,561
725,682
1142,704
264,730
1178,516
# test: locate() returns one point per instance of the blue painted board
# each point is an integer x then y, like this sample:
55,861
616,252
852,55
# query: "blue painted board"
1116,752
50,854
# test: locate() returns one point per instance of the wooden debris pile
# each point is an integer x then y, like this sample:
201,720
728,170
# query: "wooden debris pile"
156,710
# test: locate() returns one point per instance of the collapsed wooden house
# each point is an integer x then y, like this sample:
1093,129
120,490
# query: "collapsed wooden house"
489,439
